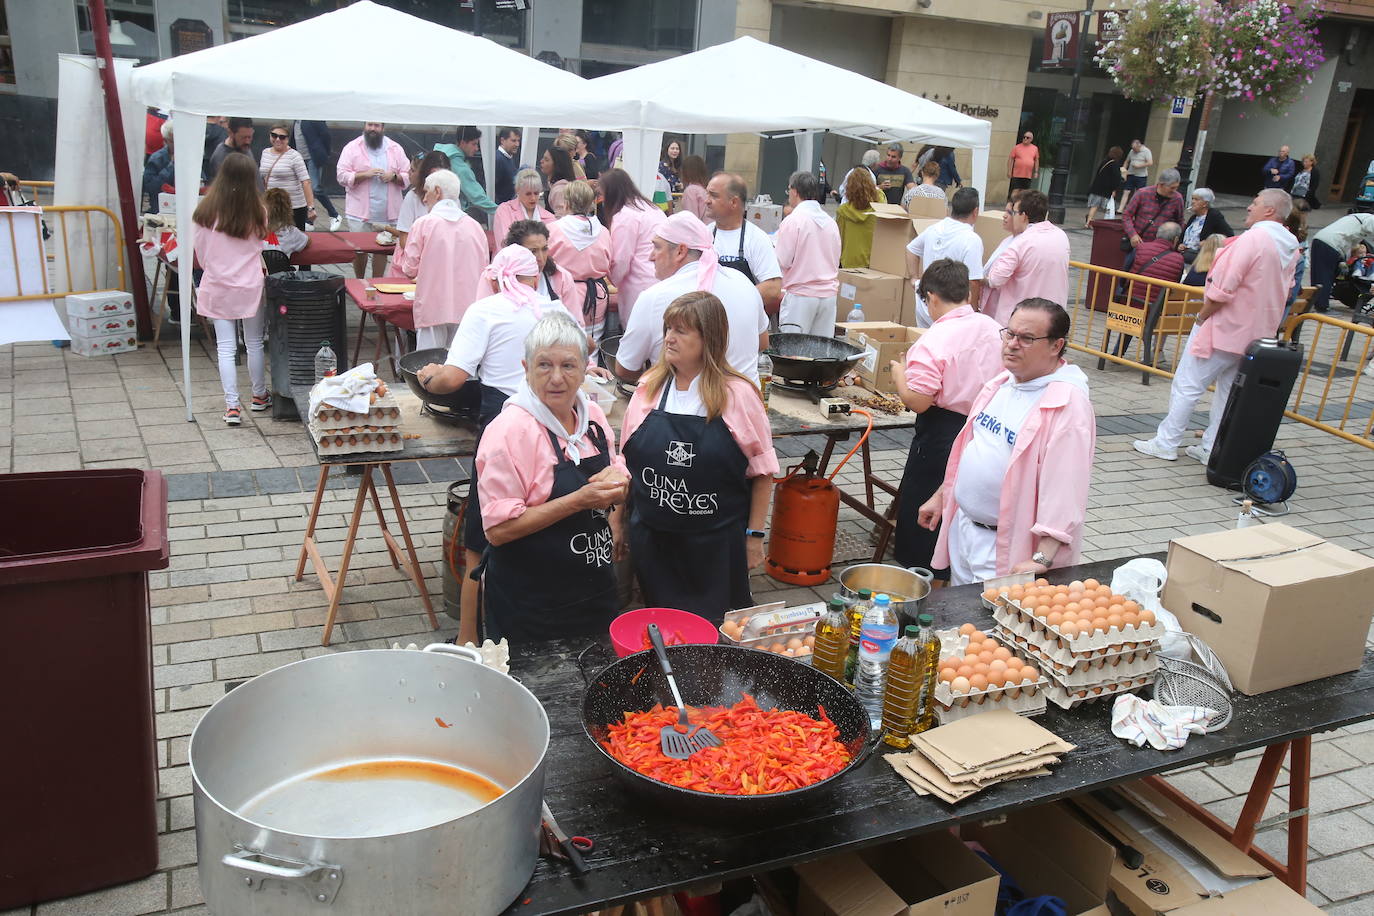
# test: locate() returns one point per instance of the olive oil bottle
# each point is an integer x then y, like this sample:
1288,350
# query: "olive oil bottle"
930,673
831,650
902,689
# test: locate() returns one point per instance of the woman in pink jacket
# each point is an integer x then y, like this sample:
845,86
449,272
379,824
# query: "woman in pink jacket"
1016,486
446,252
582,245
633,219
524,205
230,226
694,178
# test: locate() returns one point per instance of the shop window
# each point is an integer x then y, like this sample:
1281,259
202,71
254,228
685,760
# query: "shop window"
652,25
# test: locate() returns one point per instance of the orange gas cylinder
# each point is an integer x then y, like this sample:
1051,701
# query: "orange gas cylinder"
801,539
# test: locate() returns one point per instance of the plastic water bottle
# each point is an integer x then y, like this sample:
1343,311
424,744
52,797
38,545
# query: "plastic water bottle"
326,363
856,313
765,377
877,636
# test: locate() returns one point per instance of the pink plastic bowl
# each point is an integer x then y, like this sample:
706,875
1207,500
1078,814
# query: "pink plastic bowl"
628,631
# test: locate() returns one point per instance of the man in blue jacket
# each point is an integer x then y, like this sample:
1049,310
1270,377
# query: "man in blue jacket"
1280,170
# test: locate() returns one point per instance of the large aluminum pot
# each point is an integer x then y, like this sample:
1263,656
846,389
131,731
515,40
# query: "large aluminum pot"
328,786
892,580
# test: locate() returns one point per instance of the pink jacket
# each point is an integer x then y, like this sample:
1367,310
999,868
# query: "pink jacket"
512,211
231,286
954,358
1036,263
354,159
1251,276
445,252
808,248
591,263
1045,491
632,241
693,201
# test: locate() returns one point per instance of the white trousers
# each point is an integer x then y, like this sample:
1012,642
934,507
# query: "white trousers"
972,551
226,345
813,315
1191,379
439,335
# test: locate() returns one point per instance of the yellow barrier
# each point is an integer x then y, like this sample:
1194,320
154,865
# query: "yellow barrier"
1332,385
62,235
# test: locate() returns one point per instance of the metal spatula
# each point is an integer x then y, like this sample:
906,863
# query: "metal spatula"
682,740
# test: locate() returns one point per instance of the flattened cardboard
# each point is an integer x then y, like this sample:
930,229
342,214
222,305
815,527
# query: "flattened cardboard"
996,736
883,296
1279,606
1049,851
892,230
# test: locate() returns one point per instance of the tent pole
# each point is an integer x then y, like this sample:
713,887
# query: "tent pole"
127,205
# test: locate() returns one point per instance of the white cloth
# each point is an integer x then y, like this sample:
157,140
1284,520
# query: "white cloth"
812,314
226,345
1190,383
412,208
490,343
527,400
949,238
978,487
972,551
643,338
1165,728
581,231
758,249
351,390
435,336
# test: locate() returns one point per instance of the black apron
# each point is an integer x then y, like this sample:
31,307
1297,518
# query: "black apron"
936,430
738,262
559,582
689,506
474,536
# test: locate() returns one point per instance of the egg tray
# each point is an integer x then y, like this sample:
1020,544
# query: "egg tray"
1030,702
1024,623
1088,672
741,616
326,441
947,697
381,412
1066,698
1008,581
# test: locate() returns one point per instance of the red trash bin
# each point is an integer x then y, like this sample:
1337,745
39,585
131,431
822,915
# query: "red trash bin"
1106,252
79,768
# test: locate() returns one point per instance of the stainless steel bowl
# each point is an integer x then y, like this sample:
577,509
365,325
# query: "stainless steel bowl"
882,578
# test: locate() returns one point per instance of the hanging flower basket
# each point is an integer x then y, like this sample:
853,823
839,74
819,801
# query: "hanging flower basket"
1163,49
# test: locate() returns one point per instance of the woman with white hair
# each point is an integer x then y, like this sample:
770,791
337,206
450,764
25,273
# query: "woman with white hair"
1203,224
867,161
445,253
552,489
524,205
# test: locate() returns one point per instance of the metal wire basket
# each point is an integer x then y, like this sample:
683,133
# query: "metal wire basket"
1186,683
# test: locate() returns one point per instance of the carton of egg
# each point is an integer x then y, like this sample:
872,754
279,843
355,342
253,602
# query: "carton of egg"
1089,670
1080,616
987,676
355,440
794,641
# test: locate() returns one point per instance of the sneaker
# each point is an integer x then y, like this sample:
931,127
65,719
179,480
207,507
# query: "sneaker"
336,224
1154,449
1198,452
309,227
261,402
233,416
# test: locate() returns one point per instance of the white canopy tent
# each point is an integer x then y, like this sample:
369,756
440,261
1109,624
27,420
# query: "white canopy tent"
747,85
267,76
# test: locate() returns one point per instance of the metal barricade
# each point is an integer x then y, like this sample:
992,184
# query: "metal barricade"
72,228
1335,398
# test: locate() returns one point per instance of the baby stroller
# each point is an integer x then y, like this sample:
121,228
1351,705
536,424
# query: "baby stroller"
1354,286
1364,203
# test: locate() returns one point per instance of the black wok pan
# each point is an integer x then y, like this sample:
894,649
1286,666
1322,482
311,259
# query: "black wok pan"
810,358
466,402
720,676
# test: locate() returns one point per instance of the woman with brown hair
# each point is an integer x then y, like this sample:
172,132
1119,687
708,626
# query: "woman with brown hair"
633,219
670,163
556,166
694,180
700,453
230,226
282,167
856,218
282,234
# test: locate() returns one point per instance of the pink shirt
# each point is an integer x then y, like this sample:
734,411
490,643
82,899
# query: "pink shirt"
1036,263
693,200
744,416
632,241
591,263
446,257
808,249
954,358
353,159
512,211
1045,491
1252,278
231,286
515,462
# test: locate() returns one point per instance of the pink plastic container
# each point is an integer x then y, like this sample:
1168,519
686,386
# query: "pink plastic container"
628,631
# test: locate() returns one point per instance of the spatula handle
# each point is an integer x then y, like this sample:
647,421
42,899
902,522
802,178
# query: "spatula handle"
656,639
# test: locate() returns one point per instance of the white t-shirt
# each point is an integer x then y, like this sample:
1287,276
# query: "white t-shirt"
643,338
983,465
376,188
689,402
1136,162
949,238
758,249
412,208
490,342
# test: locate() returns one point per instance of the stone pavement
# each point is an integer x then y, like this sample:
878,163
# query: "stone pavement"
227,608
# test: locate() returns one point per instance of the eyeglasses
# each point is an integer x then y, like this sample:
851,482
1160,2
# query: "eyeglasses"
278,136
1024,340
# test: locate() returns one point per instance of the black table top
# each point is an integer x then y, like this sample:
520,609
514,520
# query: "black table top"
641,852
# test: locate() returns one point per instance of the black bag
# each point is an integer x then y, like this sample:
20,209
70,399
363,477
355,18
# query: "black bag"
1125,240
1126,244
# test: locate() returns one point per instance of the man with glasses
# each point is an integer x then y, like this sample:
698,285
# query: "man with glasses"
1023,163
1148,210
1034,266
1015,491
1247,289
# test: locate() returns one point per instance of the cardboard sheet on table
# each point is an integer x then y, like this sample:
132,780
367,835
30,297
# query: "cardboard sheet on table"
395,287
926,779
977,779
993,737
993,771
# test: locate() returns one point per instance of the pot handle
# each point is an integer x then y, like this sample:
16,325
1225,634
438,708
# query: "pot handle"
321,882
448,648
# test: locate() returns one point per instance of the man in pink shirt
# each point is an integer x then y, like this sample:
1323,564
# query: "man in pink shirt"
373,168
1247,289
1016,488
1034,265
945,369
446,251
808,249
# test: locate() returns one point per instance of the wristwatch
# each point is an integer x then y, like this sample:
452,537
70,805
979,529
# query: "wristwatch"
753,532
1039,557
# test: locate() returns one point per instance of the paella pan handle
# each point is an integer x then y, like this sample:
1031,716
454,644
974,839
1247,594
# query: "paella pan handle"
448,648
321,882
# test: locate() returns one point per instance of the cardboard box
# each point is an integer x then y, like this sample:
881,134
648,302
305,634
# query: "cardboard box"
883,296
1277,605
767,216
1188,869
989,229
1049,851
884,341
930,875
927,208
891,233
99,305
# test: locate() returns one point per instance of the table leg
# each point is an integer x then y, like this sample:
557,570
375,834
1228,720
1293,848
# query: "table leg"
381,341
412,563
381,523
334,588
309,540
358,344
